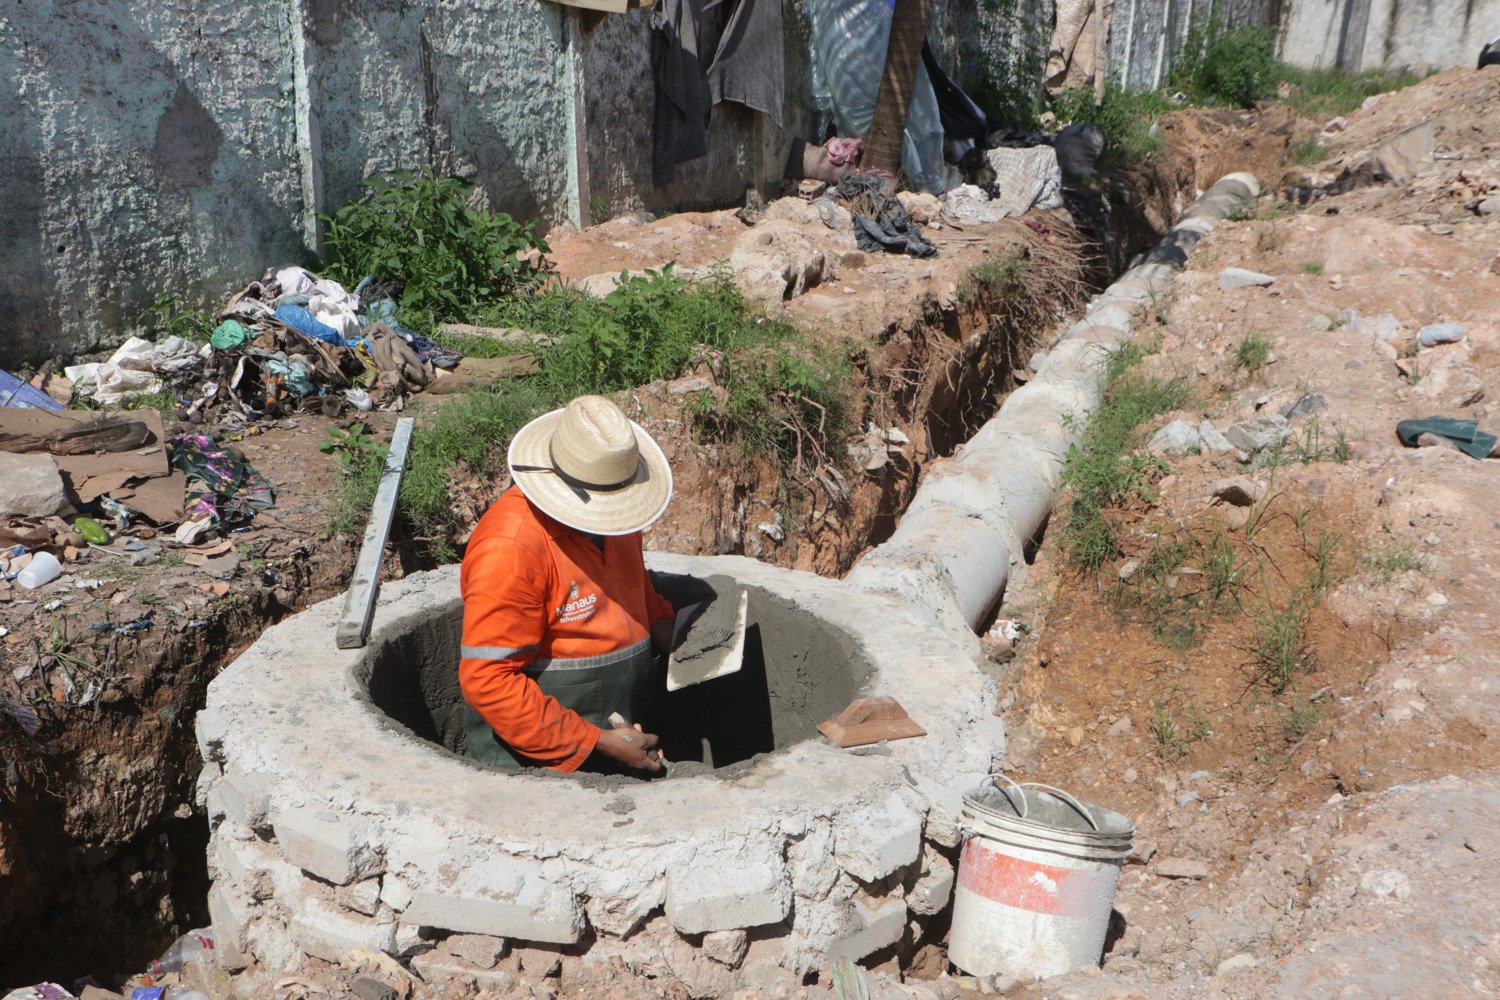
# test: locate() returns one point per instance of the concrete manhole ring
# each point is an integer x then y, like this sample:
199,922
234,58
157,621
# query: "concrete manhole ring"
334,826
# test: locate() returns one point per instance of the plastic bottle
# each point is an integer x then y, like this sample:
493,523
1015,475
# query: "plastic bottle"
182,951
43,569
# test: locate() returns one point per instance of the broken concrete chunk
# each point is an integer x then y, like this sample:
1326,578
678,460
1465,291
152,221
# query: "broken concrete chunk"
1177,438
30,485
1259,433
1212,441
1238,277
1189,868
1239,491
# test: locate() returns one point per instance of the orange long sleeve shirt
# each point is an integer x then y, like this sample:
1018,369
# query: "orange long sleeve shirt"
536,591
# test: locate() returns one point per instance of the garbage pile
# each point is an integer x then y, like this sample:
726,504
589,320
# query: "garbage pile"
180,974
288,343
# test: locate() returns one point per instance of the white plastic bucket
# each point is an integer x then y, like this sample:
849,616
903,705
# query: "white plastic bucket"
1036,883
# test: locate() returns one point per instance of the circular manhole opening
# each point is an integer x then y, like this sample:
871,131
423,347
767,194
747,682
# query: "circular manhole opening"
798,670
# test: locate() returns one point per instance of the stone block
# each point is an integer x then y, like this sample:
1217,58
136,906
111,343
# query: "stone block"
248,865
874,841
245,798
30,485
360,897
326,844
324,931
481,950
934,889
726,947
1238,277
869,927
436,967
231,914
504,898
721,890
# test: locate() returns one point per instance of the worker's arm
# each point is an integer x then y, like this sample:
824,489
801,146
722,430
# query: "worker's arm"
505,615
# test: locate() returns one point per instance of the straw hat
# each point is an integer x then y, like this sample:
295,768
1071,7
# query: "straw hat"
592,468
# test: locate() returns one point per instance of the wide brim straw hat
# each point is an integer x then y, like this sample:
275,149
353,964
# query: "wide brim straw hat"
591,468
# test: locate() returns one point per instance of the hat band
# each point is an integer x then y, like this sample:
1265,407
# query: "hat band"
573,480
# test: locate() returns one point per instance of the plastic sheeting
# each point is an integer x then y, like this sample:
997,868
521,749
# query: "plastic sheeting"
845,64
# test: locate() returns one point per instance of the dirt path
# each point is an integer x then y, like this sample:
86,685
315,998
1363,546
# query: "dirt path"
1342,827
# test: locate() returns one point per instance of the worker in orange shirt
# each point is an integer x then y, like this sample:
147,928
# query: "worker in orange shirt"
561,623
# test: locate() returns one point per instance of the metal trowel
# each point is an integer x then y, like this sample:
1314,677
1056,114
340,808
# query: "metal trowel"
722,652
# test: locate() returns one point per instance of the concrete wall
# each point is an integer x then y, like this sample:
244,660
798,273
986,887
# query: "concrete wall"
1373,34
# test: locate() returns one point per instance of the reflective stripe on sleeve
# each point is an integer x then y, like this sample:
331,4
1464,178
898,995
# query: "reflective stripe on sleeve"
584,662
495,652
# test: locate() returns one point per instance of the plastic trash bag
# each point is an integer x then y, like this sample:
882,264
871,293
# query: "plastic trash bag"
845,64
128,372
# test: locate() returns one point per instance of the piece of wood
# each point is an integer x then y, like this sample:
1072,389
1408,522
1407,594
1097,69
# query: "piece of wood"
870,720
476,373
359,603
902,54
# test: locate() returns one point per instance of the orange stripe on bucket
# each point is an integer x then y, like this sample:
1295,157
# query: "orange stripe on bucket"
1026,885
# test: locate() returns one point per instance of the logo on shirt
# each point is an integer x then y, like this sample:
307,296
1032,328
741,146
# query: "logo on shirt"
577,608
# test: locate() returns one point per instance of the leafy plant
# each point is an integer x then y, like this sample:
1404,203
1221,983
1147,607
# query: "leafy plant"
1235,66
172,320
420,230
598,210
355,448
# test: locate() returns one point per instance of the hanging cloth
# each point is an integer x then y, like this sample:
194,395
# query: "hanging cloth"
749,67
680,130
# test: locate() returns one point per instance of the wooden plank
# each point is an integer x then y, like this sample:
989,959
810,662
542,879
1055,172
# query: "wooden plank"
359,603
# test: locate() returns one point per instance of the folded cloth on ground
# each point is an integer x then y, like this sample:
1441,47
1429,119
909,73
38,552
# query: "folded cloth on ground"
392,354
335,314
881,222
299,281
1465,434
384,311
220,484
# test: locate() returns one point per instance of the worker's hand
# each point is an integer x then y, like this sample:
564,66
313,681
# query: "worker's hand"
630,747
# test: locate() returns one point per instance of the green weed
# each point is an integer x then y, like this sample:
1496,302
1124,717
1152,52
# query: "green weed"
421,230
1106,471
1251,352
1127,119
1312,445
1172,736
1312,267
172,320
1221,571
598,210
1280,648
161,400
355,448
1394,558
1309,152
1297,720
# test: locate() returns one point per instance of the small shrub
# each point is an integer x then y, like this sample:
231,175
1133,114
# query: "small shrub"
1236,66
598,210
420,230
1251,352
1127,119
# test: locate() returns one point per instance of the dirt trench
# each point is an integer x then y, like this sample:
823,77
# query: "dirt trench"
101,845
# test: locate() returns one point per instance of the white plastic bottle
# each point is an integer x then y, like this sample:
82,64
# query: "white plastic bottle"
43,569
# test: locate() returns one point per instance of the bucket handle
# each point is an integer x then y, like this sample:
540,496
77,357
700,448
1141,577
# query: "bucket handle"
1022,786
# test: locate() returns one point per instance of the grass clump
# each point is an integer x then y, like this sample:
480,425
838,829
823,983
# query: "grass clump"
1312,267
421,230
1327,93
1106,472
1279,649
1394,558
1251,352
1127,119
1171,736
1309,152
